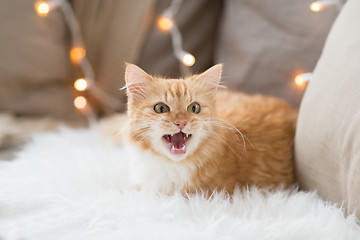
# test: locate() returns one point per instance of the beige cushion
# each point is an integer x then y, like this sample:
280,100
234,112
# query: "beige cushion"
264,44
328,132
34,65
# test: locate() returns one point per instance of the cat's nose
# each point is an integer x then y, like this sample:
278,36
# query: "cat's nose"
180,123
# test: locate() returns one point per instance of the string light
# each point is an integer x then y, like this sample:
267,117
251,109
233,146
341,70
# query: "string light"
302,79
299,81
42,8
80,102
80,84
77,54
315,7
318,6
188,59
165,23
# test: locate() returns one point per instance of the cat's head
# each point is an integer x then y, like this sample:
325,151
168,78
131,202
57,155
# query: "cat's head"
171,117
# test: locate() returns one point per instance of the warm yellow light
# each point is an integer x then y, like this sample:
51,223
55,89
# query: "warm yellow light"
42,8
188,59
315,7
80,102
299,81
80,84
77,54
165,23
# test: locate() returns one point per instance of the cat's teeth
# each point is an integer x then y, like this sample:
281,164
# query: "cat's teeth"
173,147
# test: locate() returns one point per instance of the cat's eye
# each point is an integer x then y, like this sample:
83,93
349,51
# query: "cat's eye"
161,108
194,108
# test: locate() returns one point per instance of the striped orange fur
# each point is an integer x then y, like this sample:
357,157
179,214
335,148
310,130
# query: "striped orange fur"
235,139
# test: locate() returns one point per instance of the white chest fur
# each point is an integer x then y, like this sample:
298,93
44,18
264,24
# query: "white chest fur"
154,173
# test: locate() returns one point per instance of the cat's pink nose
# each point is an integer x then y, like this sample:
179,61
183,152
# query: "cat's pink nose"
181,123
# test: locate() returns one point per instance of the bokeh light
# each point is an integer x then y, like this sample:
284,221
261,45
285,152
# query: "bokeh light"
165,23
315,7
77,54
80,84
42,8
80,102
188,60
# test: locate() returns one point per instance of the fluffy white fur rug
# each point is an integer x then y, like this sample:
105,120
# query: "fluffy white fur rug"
72,185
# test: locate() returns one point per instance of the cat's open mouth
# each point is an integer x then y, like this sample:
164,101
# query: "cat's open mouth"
177,142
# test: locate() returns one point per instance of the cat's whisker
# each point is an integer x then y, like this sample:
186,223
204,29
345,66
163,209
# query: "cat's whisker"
222,139
238,142
141,140
236,129
140,130
147,114
243,140
231,128
141,137
145,123
120,131
215,124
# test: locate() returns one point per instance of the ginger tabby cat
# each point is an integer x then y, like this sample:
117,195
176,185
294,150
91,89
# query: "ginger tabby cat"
186,135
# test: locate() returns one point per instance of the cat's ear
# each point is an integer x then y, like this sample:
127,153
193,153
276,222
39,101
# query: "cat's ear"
210,79
136,80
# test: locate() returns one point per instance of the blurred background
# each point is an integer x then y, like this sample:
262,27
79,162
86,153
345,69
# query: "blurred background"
263,44
63,61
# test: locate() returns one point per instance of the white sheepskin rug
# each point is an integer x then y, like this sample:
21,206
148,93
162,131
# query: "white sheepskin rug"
72,185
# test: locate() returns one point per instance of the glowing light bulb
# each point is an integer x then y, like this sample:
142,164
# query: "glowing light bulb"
77,54
80,102
80,84
301,79
322,4
188,59
315,7
165,23
42,8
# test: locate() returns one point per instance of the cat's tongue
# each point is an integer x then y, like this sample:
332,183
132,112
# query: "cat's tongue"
178,143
